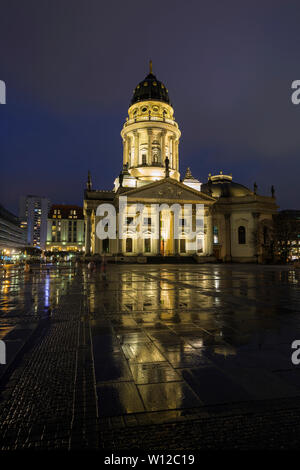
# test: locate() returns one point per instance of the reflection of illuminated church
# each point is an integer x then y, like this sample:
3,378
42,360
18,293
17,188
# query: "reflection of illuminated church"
236,220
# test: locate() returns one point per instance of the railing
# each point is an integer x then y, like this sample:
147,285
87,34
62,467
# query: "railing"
150,118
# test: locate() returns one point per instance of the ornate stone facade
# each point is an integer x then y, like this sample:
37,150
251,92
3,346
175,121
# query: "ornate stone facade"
233,215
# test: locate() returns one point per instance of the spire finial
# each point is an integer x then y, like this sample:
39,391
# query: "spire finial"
89,182
150,66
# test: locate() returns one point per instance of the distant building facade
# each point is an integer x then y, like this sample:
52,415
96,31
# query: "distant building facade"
12,236
65,228
33,215
287,234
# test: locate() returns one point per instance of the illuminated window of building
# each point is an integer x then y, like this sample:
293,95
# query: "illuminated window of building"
242,235
182,245
155,152
147,243
128,245
216,234
74,231
147,221
129,220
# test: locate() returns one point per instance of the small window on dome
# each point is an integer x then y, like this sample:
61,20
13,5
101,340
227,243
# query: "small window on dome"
155,109
154,83
145,83
144,110
162,85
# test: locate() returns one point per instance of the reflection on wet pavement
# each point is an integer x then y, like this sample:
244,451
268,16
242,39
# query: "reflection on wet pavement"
172,337
25,299
190,336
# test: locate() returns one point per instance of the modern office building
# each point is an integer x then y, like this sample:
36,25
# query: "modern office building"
65,230
33,215
12,236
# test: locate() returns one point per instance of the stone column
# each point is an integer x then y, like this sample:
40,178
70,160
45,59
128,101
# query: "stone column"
136,148
130,145
209,233
119,240
149,157
125,150
159,232
163,147
173,153
88,232
93,232
176,162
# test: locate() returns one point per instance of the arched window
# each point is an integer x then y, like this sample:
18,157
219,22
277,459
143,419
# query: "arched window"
242,235
128,245
147,244
155,152
143,155
182,245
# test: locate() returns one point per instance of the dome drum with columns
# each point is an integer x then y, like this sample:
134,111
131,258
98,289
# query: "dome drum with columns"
150,133
234,216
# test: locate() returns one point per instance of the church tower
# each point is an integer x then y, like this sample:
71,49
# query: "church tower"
150,134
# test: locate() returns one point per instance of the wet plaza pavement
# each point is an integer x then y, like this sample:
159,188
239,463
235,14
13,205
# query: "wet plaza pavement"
154,344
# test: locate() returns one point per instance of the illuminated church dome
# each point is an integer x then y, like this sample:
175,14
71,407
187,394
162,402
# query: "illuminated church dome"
223,186
150,89
150,135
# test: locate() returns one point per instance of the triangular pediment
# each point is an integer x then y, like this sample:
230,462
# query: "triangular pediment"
168,189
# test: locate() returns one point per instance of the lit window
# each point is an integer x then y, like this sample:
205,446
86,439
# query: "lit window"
147,242
128,245
182,245
216,235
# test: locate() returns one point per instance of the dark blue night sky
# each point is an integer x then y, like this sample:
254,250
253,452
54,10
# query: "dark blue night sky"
70,67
